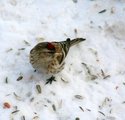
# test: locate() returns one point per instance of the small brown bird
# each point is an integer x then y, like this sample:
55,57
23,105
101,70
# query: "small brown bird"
48,57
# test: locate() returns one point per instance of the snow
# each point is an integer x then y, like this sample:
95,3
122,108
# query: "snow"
92,85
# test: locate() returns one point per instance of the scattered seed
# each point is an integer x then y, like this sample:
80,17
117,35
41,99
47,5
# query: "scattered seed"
54,107
116,87
45,106
88,109
78,96
101,113
103,74
75,30
27,43
93,77
65,34
48,100
64,80
23,117
15,107
32,99
15,111
81,108
86,68
9,50
53,93
6,105
35,113
106,77
123,83
102,11
16,96
35,117
19,78
21,49
77,118
75,1
110,111
123,102
38,87
6,80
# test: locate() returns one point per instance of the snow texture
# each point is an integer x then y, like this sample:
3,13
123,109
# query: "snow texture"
92,84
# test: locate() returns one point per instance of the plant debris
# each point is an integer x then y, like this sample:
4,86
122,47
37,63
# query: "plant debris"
102,11
38,87
20,78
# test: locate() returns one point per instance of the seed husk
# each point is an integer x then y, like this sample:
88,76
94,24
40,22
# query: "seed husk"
20,78
54,107
38,87
78,96
102,11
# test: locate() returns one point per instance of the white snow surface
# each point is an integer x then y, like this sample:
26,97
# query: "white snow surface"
92,84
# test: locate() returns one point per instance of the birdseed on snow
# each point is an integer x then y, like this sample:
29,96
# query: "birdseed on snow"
27,43
23,117
9,50
15,111
81,108
20,78
78,97
54,107
39,90
6,80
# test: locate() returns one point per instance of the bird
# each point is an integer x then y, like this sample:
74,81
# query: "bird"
49,57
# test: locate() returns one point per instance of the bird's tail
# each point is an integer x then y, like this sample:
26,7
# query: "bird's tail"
76,41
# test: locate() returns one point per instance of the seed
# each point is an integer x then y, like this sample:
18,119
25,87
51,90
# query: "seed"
38,87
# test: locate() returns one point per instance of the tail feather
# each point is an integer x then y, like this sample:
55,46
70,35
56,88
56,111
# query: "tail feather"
76,41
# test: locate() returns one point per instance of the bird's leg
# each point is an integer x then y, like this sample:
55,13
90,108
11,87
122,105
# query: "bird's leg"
50,80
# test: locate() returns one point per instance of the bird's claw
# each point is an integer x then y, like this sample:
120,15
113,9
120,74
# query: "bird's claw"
50,80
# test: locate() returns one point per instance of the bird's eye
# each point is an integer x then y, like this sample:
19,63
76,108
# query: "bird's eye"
50,46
